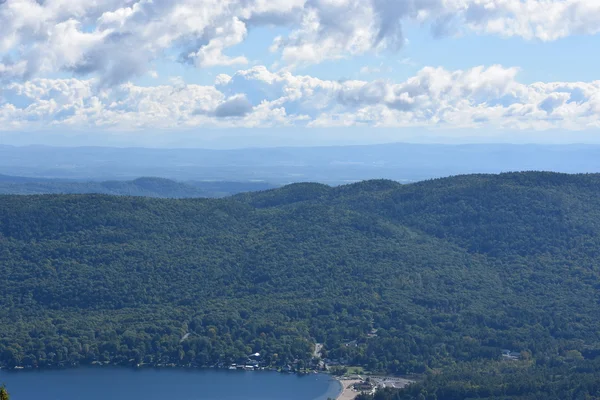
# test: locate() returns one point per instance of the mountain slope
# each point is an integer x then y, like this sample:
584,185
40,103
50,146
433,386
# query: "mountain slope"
445,271
147,187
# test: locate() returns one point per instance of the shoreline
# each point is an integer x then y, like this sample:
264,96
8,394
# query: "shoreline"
19,369
347,391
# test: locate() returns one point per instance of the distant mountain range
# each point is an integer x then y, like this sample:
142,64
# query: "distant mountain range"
332,165
147,187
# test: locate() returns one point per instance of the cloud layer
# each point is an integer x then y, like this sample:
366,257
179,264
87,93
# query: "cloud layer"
97,48
258,97
115,40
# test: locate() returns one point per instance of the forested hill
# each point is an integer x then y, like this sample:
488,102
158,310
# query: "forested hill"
147,187
424,278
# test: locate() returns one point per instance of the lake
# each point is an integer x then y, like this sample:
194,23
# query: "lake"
104,383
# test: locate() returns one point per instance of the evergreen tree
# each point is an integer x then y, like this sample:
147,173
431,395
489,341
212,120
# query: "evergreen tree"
4,393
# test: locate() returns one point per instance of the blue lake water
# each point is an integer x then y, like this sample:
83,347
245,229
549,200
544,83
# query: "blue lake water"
104,383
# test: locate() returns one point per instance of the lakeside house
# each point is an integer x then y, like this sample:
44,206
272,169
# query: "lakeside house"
364,386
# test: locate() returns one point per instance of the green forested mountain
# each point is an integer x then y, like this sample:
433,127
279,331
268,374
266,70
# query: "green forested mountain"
437,278
147,187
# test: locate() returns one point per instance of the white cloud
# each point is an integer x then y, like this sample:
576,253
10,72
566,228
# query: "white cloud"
540,19
330,29
480,97
229,34
222,79
116,40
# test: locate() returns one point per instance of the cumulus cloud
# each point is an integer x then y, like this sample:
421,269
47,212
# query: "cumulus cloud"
541,19
258,97
115,40
236,106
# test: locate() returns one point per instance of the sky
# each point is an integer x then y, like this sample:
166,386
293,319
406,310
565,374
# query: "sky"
231,73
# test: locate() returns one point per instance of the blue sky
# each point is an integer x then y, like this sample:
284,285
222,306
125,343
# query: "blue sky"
228,73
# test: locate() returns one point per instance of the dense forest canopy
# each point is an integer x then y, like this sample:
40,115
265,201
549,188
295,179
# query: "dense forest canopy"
436,278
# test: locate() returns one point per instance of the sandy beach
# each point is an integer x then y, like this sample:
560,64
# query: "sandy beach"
347,392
